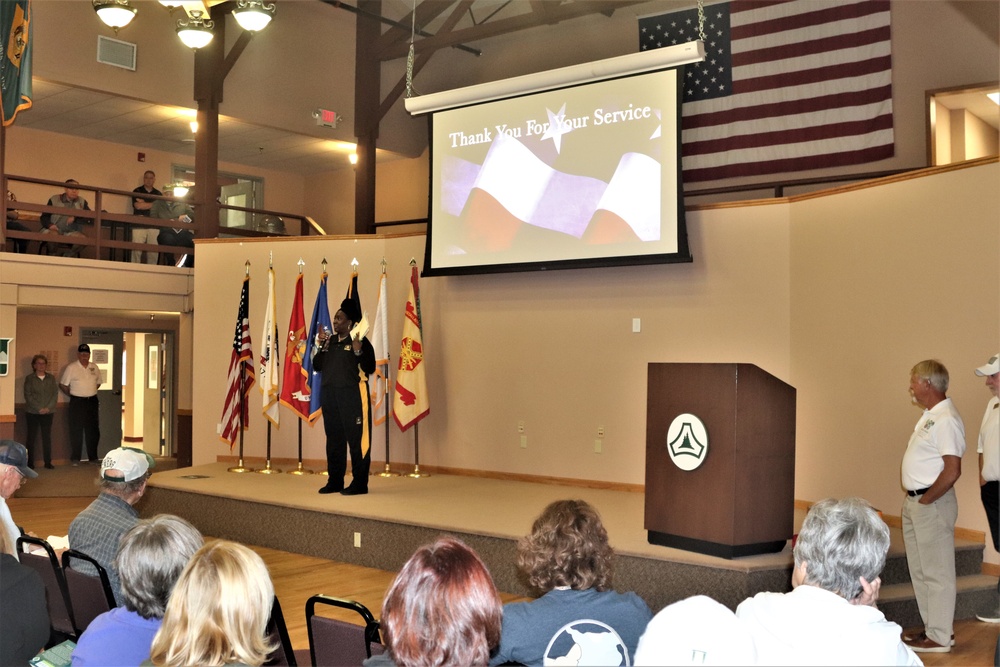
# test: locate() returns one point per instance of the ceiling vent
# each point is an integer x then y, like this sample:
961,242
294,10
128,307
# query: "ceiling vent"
116,52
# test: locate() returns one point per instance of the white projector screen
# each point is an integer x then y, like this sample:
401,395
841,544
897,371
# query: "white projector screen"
580,176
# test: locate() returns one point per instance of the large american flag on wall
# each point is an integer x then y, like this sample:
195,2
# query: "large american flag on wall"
786,85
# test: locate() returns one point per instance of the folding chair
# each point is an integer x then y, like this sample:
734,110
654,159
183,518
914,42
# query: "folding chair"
336,642
277,632
47,566
89,595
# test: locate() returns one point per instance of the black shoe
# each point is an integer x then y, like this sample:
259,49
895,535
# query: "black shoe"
354,491
50,466
332,488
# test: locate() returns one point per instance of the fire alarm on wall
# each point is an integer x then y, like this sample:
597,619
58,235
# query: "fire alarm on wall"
67,331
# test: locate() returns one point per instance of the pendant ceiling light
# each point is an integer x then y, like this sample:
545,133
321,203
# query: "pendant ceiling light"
114,13
195,32
253,15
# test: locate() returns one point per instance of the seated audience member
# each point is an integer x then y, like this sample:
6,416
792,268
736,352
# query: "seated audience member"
66,225
695,631
152,555
180,212
217,614
14,472
97,530
579,618
20,245
830,617
442,609
24,616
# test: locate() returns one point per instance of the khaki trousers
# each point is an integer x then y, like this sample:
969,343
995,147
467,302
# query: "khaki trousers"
929,536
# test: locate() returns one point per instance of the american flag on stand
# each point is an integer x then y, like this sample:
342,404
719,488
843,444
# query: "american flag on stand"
236,412
786,85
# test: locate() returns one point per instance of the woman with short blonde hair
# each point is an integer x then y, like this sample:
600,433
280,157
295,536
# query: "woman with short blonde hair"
218,611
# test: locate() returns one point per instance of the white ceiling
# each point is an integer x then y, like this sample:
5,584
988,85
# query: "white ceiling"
97,115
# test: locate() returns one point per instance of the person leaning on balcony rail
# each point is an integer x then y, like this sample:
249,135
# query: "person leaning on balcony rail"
20,245
182,213
143,206
63,224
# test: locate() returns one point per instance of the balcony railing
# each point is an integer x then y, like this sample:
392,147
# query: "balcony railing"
108,235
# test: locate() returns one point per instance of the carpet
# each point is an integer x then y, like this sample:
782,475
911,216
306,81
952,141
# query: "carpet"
66,481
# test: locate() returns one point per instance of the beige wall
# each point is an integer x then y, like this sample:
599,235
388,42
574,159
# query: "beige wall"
838,295
881,279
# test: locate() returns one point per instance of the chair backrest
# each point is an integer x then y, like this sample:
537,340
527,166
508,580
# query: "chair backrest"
277,632
336,642
89,596
47,566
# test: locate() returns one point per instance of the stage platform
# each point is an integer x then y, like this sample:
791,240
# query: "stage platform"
283,511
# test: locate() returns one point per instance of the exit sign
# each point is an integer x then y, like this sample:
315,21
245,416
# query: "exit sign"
326,118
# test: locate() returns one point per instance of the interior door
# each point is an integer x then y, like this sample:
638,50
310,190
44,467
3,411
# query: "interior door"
239,194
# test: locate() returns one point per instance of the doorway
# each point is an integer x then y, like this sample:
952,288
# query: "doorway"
137,388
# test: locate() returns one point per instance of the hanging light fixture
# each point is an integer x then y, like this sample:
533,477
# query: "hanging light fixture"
114,13
253,15
195,32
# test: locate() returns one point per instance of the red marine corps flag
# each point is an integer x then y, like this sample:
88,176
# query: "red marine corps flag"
410,403
294,384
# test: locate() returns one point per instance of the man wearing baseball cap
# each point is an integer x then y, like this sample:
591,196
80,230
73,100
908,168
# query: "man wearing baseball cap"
80,381
989,463
14,471
97,530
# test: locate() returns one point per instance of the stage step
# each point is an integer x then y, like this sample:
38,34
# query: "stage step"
977,593
968,560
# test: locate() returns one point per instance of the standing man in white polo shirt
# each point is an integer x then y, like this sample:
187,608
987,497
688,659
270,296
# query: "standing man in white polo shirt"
931,466
989,462
80,381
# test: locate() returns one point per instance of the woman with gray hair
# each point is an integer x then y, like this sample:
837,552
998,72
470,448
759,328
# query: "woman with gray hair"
830,617
150,559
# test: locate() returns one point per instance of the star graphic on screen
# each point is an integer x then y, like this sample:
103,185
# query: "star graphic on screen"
557,127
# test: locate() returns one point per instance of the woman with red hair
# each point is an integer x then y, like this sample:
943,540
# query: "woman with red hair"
442,609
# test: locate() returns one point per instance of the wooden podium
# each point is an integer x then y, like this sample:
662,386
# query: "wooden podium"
739,500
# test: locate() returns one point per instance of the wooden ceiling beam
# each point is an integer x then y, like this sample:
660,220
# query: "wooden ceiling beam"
552,15
423,58
427,11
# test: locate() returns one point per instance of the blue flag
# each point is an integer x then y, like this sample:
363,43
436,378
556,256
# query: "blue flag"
320,321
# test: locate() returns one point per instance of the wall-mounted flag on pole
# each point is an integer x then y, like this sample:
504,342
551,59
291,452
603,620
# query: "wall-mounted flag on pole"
320,321
269,356
294,379
235,413
15,57
410,403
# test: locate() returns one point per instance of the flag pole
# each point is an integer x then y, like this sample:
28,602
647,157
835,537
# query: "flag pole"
416,454
387,471
267,469
239,467
325,473
299,470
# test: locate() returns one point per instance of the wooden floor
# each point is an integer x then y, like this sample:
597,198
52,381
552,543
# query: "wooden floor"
298,577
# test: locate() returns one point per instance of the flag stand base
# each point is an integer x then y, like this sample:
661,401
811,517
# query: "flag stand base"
386,473
239,467
324,473
416,472
300,470
268,470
